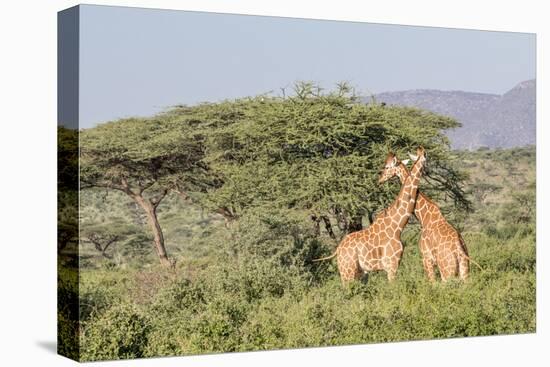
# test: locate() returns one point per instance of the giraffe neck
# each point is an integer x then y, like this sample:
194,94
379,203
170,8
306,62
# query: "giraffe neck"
407,196
425,210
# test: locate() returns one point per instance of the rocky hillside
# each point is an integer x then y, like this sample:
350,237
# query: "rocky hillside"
488,120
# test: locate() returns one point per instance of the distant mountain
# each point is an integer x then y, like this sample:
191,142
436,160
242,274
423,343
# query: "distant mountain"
490,120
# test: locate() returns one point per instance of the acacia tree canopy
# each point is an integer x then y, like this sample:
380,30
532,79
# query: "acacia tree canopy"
317,152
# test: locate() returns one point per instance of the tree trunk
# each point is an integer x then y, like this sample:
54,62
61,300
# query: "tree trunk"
355,224
158,237
328,227
341,221
316,225
370,216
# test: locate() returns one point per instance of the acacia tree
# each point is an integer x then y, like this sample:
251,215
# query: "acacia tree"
145,159
320,153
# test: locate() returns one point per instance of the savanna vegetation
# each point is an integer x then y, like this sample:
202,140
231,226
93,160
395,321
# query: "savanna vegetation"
199,227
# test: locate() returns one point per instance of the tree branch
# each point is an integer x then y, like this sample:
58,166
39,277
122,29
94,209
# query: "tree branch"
126,186
89,185
182,194
146,186
97,239
155,200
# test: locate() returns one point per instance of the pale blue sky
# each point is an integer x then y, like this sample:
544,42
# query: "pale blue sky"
137,62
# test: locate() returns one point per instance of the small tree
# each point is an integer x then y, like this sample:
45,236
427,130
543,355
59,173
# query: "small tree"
145,159
481,190
102,242
522,207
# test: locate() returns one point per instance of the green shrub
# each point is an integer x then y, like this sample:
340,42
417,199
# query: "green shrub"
94,301
67,312
67,336
181,295
283,237
120,333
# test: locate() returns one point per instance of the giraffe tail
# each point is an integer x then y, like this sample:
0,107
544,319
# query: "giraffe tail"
475,263
325,258
465,254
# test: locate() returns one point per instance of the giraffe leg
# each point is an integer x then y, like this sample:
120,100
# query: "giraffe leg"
348,268
429,268
350,275
391,273
463,267
392,263
463,260
448,266
427,257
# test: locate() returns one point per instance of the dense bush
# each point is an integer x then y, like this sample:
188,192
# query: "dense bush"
256,304
121,332
279,239
67,312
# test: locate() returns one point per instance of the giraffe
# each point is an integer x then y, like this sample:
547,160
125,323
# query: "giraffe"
378,247
440,243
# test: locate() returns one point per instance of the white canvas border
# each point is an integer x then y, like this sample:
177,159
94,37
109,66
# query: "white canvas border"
28,66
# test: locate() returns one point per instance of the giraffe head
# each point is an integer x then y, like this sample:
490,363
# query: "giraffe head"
392,168
420,154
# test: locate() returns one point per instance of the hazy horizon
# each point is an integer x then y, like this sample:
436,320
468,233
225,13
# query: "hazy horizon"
138,62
